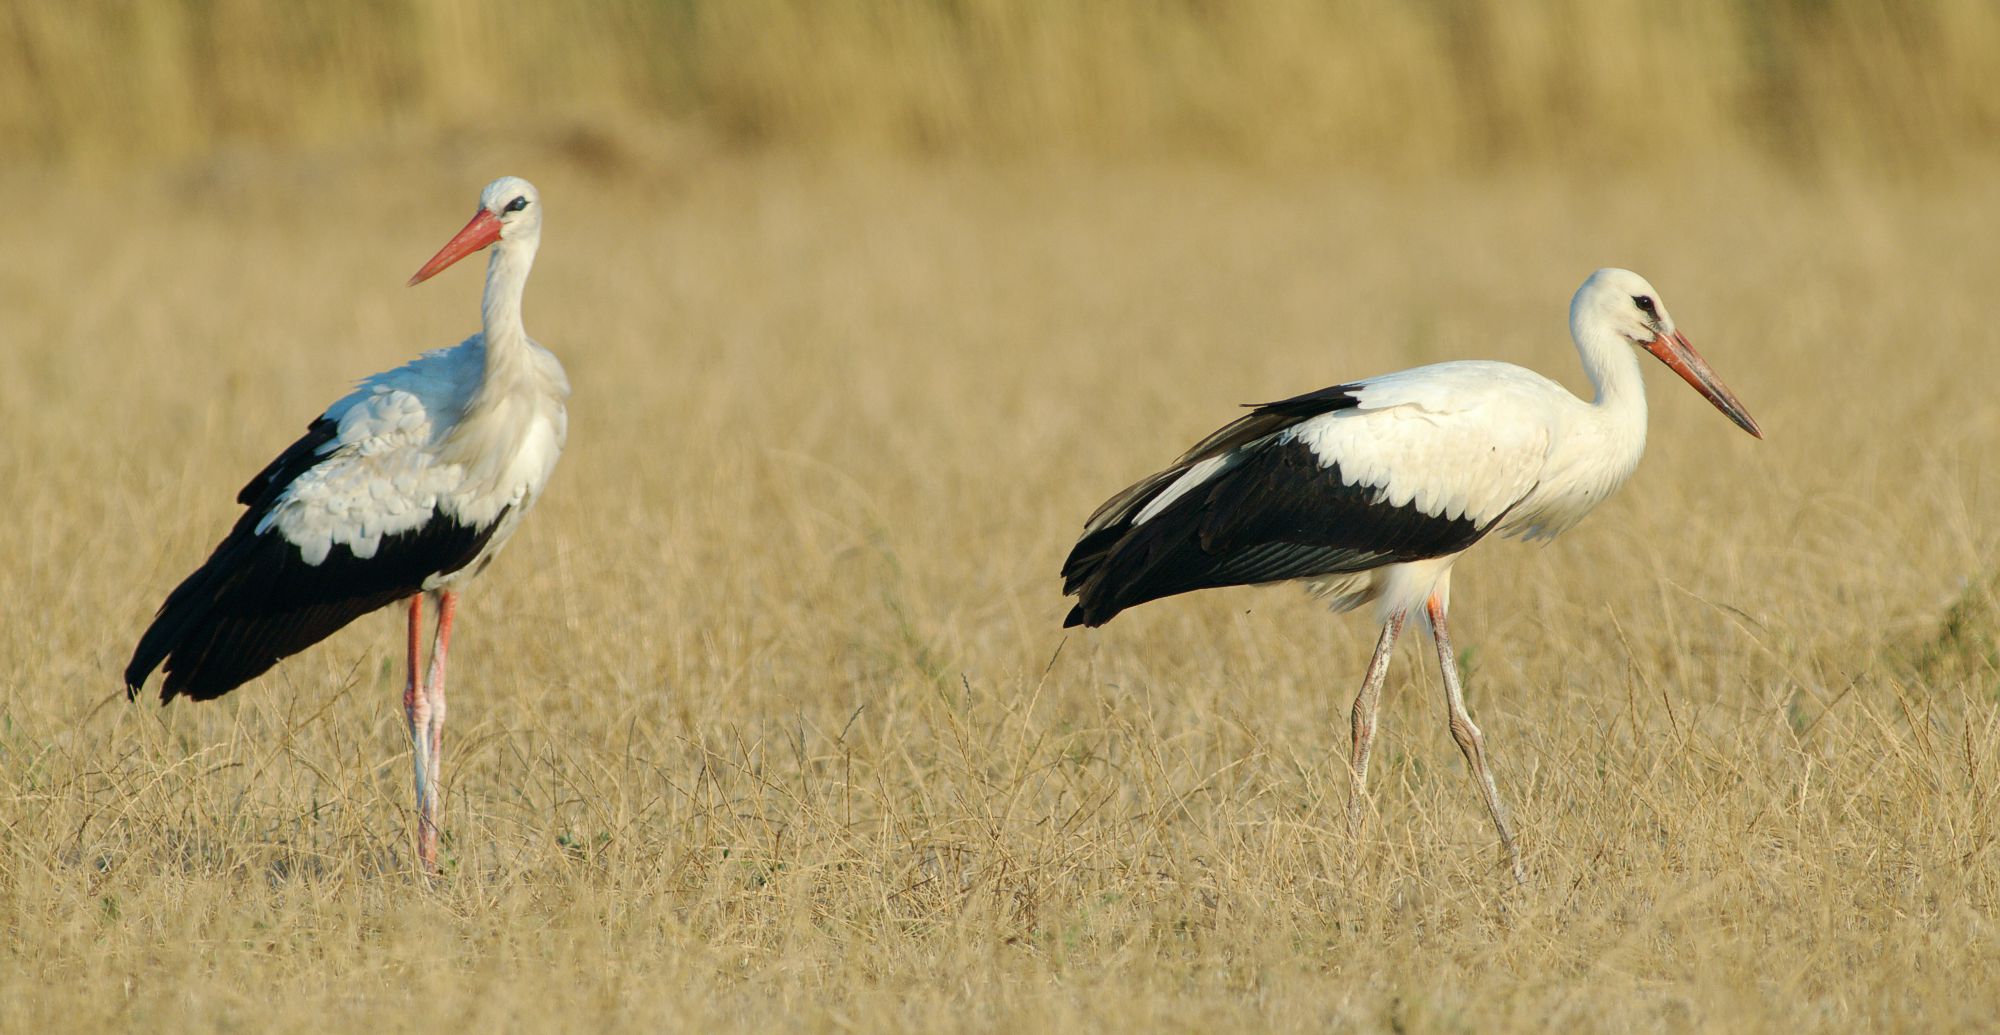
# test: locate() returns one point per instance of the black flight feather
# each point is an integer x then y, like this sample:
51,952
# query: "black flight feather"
1275,511
255,601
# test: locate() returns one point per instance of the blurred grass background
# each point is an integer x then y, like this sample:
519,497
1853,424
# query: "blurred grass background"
1378,85
766,720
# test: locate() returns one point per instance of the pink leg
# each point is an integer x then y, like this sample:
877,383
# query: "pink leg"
434,732
1469,740
1366,703
417,706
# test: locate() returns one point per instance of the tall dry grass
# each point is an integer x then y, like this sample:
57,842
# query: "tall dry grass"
766,718
1378,85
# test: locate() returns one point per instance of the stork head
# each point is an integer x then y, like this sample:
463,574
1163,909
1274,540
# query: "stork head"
510,209
1621,302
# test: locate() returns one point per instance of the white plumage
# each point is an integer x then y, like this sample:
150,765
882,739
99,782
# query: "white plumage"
405,487
1370,490
409,448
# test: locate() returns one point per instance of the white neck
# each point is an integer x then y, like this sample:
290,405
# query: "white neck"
510,357
500,310
1612,365
515,380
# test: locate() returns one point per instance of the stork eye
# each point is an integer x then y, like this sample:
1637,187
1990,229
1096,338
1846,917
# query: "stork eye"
1645,304
521,202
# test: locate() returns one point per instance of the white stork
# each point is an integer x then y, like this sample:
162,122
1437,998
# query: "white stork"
405,488
1372,489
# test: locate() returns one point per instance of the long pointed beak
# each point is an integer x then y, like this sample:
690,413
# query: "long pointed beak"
1681,357
483,230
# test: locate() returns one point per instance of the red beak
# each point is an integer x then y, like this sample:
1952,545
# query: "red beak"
1681,357
482,231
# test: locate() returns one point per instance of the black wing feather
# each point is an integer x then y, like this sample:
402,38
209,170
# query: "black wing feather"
1275,512
1109,523
298,458
255,601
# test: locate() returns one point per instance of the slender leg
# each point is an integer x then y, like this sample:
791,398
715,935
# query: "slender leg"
1467,735
417,705
431,795
1366,703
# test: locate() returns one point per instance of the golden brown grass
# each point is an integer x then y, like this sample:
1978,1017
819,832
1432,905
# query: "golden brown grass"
766,718
1387,85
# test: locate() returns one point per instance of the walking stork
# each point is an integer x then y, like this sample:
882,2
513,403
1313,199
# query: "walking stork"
1372,489
405,488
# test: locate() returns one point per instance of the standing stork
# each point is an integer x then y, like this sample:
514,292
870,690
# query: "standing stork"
1372,489
403,489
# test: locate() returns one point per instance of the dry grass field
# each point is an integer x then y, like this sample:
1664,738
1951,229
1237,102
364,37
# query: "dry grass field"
766,719
1902,86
